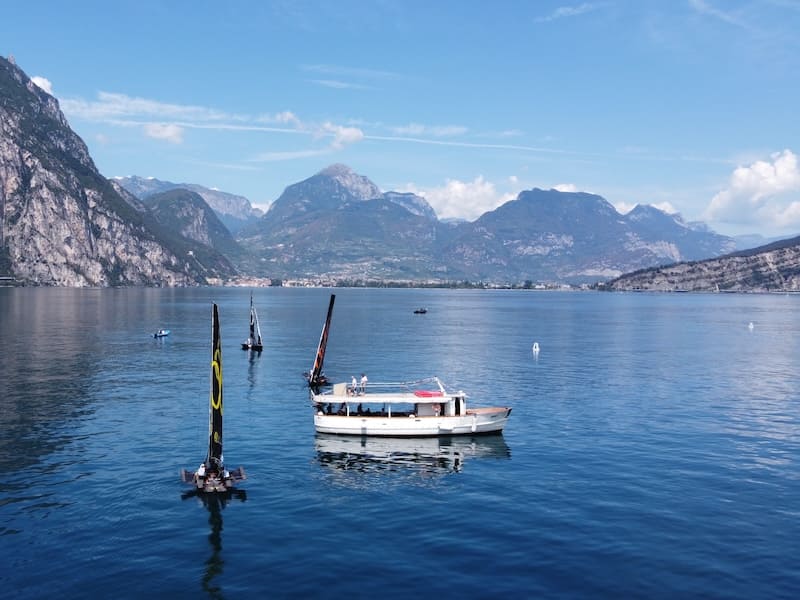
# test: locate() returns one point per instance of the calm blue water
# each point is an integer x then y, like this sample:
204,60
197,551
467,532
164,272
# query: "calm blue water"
653,450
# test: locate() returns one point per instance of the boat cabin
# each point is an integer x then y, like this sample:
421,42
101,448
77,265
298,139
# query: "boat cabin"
345,401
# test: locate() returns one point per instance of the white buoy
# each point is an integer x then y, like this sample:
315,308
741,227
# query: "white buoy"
535,348
750,326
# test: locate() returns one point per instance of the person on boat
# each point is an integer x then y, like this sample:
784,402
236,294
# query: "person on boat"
363,383
201,470
353,386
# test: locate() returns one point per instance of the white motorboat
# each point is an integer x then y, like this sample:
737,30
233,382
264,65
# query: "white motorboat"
410,409
414,409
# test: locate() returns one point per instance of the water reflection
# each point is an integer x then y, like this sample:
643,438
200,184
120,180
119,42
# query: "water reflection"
215,503
426,456
50,349
253,357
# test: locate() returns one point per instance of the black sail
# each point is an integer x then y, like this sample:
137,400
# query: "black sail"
252,322
316,371
214,459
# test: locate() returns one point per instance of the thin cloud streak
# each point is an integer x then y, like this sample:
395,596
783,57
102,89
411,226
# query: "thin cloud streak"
386,138
339,85
351,71
563,12
705,8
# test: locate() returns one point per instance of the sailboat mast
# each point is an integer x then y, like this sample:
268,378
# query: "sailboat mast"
215,405
316,371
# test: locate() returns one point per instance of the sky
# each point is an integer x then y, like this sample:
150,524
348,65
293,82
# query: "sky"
688,105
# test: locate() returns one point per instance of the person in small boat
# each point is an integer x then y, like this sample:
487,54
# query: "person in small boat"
363,383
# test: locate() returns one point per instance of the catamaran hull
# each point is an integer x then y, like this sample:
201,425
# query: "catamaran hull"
470,424
211,484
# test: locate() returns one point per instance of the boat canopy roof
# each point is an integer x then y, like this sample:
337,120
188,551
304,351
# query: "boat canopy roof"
427,391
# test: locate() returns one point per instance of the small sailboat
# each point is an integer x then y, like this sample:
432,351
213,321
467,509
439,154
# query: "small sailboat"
211,475
254,341
315,377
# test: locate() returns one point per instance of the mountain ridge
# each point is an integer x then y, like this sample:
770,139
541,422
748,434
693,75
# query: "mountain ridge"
61,222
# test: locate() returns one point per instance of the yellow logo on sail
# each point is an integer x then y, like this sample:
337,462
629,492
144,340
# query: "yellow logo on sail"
216,369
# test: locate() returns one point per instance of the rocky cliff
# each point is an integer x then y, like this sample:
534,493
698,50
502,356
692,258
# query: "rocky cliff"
771,268
61,222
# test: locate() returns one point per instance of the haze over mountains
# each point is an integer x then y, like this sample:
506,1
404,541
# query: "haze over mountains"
65,224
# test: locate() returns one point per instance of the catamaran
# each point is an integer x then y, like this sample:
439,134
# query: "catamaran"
254,341
211,475
403,409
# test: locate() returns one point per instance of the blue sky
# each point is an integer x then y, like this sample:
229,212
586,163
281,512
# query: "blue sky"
690,105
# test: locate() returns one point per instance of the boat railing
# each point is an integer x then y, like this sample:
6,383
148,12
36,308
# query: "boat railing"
386,387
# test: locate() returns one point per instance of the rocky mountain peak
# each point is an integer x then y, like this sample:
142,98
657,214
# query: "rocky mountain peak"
359,187
61,222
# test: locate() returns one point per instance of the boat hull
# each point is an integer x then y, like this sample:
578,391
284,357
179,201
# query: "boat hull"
485,420
213,484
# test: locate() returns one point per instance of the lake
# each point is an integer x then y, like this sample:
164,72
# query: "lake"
653,450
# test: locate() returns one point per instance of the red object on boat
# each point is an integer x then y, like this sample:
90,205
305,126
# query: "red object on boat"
427,393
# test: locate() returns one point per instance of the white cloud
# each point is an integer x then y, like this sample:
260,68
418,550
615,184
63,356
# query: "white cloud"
43,83
762,194
339,85
665,207
285,117
568,11
623,207
464,200
164,131
341,135
705,8
435,130
110,105
566,187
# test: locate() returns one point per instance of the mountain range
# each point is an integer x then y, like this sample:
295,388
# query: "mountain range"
62,223
234,211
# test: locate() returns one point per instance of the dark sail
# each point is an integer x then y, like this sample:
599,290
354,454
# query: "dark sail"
314,378
252,322
214,459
